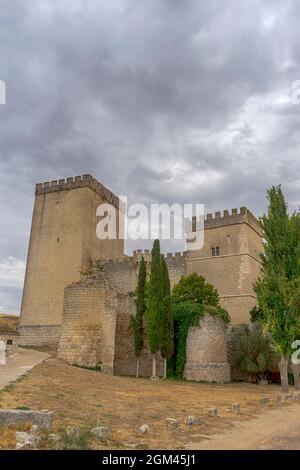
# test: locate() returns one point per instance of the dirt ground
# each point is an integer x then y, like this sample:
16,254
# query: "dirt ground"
81,397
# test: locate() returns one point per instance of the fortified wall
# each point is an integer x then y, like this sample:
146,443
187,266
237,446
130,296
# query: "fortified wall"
96,317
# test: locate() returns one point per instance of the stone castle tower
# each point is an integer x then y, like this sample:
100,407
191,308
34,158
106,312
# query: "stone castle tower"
63,244
230,259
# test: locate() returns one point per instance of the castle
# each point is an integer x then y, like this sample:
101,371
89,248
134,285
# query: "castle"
87,318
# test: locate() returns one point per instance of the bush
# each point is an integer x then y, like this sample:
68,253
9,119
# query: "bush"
252,350
196,290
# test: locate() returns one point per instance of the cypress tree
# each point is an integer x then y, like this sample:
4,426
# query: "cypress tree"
137,320
168,324
155,306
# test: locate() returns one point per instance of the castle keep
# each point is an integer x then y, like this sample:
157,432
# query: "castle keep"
87,318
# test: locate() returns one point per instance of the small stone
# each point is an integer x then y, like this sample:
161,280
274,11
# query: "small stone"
212,412
144,429
289,396
264,400
236,408
172,423
101,432
26,440
281,397
190,420
34,429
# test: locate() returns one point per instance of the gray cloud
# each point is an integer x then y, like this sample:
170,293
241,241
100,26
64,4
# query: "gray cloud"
161,100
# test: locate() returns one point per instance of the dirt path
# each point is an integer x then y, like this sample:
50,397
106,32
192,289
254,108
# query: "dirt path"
19,364
80,397
274,430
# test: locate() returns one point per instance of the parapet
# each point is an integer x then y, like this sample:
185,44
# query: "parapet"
235,216
78,182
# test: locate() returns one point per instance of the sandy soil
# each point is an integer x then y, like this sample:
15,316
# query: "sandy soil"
79,397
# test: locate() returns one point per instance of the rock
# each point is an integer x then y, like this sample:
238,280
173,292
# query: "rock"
34,429
26,440
144,429
264,400
190,420
235,407
172,423
101,432
212,412
72,432
43,419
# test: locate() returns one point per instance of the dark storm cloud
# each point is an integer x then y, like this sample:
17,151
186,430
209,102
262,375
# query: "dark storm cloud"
162,100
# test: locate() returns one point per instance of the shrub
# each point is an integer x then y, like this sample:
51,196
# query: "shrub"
252,350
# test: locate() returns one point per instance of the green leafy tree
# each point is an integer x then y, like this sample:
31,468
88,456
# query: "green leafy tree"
278,284
193,288
155,305
252,350
256,314
168,323
137,320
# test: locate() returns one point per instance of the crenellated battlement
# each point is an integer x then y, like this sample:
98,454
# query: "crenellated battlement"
235,216
78,182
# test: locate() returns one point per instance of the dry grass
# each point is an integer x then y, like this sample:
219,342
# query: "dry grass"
7,327
81,397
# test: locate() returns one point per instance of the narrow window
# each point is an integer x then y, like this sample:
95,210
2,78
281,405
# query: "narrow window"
217,251
9,342
213,251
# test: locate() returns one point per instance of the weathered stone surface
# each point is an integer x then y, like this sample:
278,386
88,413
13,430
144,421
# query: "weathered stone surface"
144,429
206,351
236,408
190,420
26,440
212,412
15,417
172,423
102,432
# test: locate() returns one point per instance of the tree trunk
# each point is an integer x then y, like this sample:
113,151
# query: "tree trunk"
137,367
283,367
296,372
153,366
165,367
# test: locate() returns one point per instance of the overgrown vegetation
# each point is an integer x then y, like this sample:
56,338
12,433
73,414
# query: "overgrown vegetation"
190,300
252,350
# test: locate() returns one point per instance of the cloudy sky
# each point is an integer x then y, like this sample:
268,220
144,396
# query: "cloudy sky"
162,100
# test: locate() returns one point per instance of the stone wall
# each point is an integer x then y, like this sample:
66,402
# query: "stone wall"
206,351
11,341
39,335
125,359
96,329
88,326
